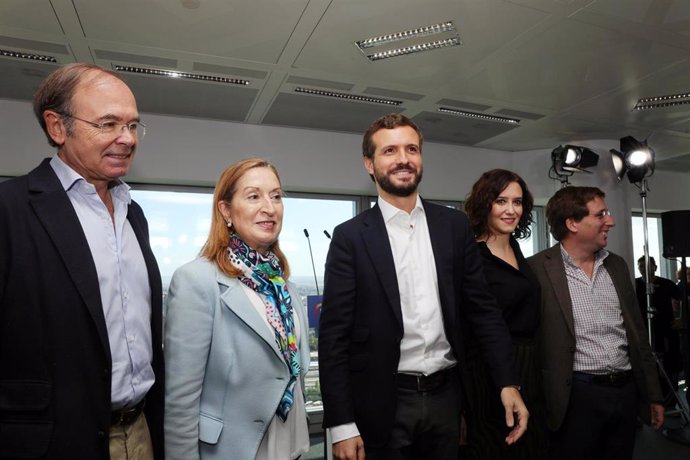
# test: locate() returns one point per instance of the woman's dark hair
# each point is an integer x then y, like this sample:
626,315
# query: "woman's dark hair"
485,191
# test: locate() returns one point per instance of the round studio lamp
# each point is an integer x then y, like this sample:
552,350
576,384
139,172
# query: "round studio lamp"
574,158
636,160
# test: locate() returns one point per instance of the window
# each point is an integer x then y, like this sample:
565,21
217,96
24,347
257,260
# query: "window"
666,268
179,222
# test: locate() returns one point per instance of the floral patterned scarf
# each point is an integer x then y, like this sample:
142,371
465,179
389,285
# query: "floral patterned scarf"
263,274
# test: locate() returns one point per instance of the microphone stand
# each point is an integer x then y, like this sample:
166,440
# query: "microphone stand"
313,267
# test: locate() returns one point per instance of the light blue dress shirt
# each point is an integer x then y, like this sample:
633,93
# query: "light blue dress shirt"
123,283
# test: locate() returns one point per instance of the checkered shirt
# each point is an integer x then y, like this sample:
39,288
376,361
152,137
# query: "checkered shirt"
601,341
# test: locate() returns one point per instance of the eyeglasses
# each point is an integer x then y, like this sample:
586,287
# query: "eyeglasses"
111,128
602,214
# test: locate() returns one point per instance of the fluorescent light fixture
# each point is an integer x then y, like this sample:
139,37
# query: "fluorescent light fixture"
175,74
29,56
479,116
439,28
353,97
658,102
428,46
412,37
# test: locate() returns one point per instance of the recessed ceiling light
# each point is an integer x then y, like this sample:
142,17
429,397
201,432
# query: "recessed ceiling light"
176,74
657,102
412,37
406,34
479,116
353,97
30,56
428,46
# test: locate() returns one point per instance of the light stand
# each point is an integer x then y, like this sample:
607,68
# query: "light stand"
636,160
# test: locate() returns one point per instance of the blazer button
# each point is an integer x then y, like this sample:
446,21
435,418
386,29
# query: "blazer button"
101,434
568,382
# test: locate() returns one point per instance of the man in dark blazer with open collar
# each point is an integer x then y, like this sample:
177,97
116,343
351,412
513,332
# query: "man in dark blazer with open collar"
596,361
400,280
80,290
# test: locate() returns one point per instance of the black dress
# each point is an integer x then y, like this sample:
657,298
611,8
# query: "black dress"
517,293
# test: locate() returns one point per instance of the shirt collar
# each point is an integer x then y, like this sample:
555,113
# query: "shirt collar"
599,256
68,178
389,211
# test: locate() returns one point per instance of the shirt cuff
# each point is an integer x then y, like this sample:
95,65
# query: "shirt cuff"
343,432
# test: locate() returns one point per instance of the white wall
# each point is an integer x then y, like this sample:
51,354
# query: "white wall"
193,151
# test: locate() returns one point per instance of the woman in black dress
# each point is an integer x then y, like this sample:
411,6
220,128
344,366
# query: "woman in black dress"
500,212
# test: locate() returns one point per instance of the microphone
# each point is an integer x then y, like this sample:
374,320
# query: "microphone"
328,235
313,267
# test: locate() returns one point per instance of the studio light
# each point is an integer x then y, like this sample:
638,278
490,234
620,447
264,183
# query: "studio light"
636,159
569,159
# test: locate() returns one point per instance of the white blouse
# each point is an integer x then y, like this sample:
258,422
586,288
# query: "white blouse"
290,439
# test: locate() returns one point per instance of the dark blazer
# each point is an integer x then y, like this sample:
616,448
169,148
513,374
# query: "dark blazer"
361,318
55,364
557,334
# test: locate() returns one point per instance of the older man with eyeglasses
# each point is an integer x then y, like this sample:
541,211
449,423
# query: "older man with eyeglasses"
596,361
81,365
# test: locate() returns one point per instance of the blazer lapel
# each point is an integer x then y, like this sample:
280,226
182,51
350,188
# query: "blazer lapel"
555,271
439,233
237,301
375,239
55,212
137,221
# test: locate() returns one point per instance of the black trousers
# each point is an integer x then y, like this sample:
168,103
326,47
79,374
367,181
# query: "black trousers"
600,423
426,425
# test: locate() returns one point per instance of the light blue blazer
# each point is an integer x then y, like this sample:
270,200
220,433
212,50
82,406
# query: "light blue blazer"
224,373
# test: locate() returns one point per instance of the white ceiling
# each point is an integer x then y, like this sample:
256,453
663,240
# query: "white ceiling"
568,69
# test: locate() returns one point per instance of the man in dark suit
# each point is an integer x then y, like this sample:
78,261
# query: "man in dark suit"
400,279
597,365
80,293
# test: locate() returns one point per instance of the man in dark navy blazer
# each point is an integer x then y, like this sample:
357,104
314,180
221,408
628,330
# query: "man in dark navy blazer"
400,280
81,365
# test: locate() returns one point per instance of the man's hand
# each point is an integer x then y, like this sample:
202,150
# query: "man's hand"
514,406
349,449
657,415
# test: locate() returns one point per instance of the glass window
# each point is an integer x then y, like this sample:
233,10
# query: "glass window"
179,222
666,268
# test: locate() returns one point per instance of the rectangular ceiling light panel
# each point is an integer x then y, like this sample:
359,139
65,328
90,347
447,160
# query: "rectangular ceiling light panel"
175,74
658,102
29,56
352,97
479,116
378,48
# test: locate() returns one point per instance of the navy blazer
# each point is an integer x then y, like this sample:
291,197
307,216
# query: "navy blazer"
55,363
361,318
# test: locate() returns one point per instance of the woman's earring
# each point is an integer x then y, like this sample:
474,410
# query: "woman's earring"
229,224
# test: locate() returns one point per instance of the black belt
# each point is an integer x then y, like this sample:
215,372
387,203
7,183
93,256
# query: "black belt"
614,379
424,383
123,417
